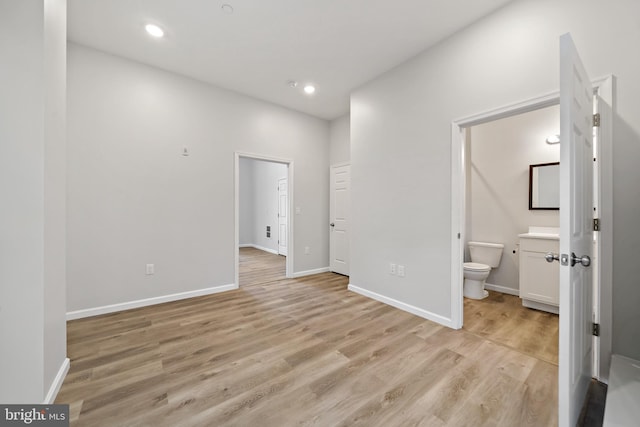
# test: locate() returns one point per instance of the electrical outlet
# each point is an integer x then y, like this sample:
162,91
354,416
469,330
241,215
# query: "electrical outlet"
401,271
150,269
392,268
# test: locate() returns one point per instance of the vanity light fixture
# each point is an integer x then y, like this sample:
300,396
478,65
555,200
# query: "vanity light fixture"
154,30
309,89
553,139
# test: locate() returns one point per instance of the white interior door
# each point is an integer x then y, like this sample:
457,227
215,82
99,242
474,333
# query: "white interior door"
339,202
283,203
576,233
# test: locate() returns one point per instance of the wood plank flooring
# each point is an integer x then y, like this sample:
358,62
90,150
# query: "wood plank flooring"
501,318
295,352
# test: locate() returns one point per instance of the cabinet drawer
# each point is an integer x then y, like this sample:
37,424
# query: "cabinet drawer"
539,245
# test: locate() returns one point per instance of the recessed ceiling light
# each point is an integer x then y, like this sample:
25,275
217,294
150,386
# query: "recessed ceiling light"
154,30
309,89
292,83
227,8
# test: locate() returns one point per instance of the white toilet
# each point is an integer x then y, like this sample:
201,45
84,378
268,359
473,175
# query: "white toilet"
484,256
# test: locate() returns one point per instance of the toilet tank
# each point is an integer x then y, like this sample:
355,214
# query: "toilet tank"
486,253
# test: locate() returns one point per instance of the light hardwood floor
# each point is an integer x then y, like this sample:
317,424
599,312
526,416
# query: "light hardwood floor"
296,352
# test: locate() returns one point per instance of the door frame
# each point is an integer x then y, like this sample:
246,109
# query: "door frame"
604,87
286,232
236,209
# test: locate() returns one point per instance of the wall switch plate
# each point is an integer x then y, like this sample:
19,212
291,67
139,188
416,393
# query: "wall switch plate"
298,210
401,271
392,268
307,250
150,269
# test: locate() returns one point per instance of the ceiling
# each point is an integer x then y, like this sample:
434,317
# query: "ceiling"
337,45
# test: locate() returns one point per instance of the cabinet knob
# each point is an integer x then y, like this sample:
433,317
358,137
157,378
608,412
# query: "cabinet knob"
550,257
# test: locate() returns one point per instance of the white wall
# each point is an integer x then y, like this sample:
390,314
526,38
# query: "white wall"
340,140
259,194
32,184
500,154
134,199
401,133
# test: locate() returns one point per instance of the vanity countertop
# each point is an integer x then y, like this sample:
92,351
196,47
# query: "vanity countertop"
547,236
549,233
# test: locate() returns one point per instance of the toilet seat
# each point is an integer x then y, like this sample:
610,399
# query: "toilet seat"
475,266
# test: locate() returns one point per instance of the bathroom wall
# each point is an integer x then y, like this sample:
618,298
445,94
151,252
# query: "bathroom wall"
498,192
259,202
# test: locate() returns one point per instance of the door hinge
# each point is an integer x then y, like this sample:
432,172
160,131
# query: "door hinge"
596,120
595,329
596,224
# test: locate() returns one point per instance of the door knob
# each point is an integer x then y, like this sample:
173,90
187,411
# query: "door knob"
332,224
550,257
583,260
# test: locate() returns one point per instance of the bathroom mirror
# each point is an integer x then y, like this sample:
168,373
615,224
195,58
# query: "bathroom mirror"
544,186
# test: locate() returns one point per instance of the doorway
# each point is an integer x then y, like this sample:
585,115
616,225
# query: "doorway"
604,96
499,156
263,225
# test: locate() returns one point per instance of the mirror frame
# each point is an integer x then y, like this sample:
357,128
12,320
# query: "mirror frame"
531,208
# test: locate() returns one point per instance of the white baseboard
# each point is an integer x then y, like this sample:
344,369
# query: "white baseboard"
502,289
309,272
57,382
403,306
79,314
541,306
262,248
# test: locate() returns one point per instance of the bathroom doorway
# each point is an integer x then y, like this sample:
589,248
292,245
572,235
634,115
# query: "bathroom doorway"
497,163
263,227
602,263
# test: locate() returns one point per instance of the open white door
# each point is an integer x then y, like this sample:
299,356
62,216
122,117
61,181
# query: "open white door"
339,200
283,204
576,233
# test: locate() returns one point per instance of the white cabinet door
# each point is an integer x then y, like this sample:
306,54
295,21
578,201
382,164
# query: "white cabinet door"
538,278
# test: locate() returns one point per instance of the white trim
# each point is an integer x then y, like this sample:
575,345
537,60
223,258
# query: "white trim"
605,88
502,289
310,272
402,306
57,382
261,248
236,213
96,311
458,231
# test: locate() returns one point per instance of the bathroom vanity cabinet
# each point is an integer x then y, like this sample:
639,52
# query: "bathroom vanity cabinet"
539,279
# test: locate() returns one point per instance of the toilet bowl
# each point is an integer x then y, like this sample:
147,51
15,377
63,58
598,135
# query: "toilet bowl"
484,257
475,274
